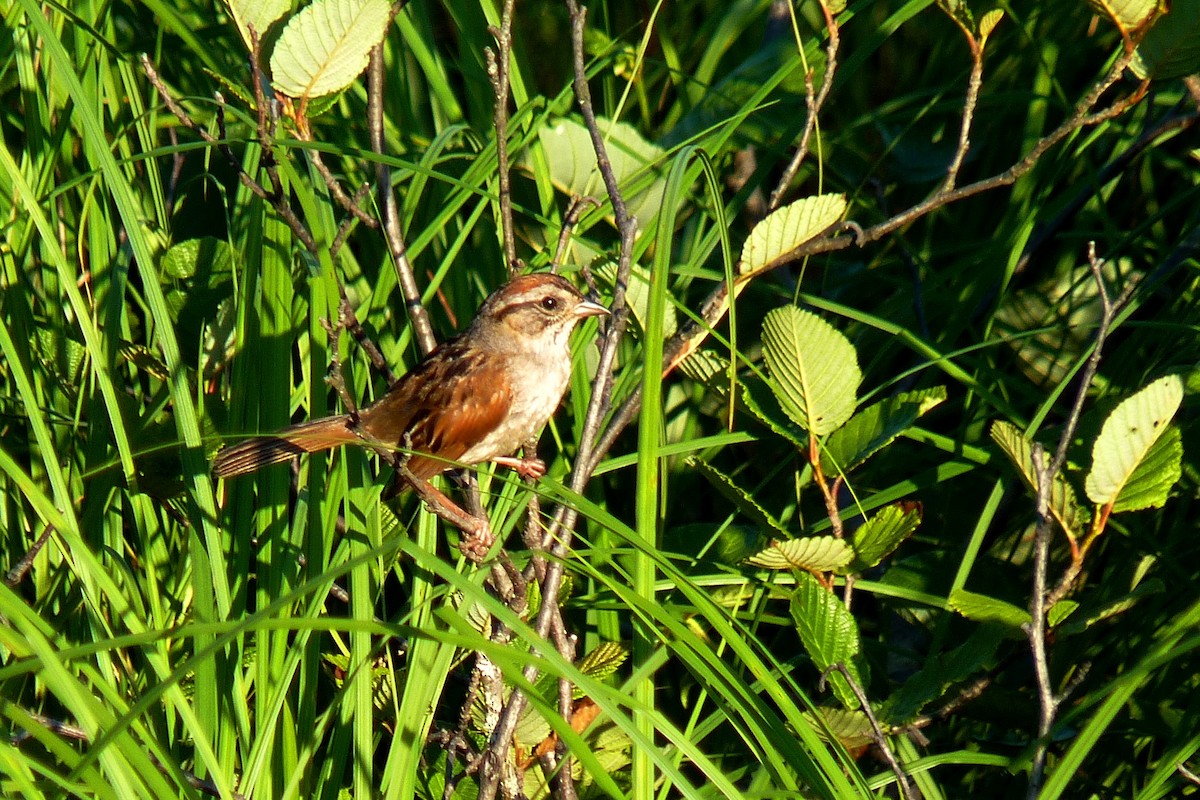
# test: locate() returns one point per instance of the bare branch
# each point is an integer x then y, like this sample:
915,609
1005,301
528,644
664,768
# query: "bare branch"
1045,474
498,67
22,567
813,103
393,233
877,735
968,113
558,538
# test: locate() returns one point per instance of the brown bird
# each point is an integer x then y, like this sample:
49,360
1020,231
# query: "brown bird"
477,397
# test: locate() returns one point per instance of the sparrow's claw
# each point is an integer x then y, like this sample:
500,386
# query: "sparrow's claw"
529,468
477,542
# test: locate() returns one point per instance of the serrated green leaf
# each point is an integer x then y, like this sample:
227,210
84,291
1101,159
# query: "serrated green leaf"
814,369
1060,611
829,635
603,660
1127,15
207,258
741,498
636,164
982,608
851,728
882,534
708,367
1064,507
1151,481
988,23
813,553
326,46
1171,49
260,14
759,400
785,229
875,427
1108,610
1126,439
930,683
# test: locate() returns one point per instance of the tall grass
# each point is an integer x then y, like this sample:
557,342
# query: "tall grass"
174,629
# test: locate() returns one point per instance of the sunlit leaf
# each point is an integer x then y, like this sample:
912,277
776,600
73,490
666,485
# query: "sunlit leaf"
259,14
326,46
982,608
635,162
830,635
874,427
1125,441
882,534
813,553
814,369
1063,505
1128,15
787,228
1151,482
605,659
988,23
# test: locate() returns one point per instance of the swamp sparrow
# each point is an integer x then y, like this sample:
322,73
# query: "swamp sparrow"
475,398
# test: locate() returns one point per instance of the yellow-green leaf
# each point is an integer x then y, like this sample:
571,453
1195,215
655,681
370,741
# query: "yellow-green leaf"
1127,15
829,633
813,553
785,229
882,534
988,23
259,14
814,369
1127,438
326,46
982,608
1063,505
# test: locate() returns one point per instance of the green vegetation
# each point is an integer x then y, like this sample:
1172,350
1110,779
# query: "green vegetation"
873,461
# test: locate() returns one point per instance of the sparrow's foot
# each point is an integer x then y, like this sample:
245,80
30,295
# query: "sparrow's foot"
529,468
477,540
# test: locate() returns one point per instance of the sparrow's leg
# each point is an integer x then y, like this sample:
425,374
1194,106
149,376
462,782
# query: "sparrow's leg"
529,468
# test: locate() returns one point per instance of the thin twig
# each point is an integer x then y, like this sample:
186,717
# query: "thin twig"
570,220
498,67
350,204
813,104
558,537
274,198
965,695
1044,474
22,567
877,735
347,224
690,335
968,113
1172,121
393,232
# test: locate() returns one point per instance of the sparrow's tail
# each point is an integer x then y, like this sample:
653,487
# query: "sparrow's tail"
307,437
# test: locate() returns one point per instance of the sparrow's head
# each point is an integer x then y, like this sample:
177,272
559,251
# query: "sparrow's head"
533,312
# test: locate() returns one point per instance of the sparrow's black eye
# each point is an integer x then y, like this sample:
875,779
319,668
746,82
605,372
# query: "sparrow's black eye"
550,303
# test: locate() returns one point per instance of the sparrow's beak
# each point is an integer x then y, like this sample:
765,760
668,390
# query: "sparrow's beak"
589,309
